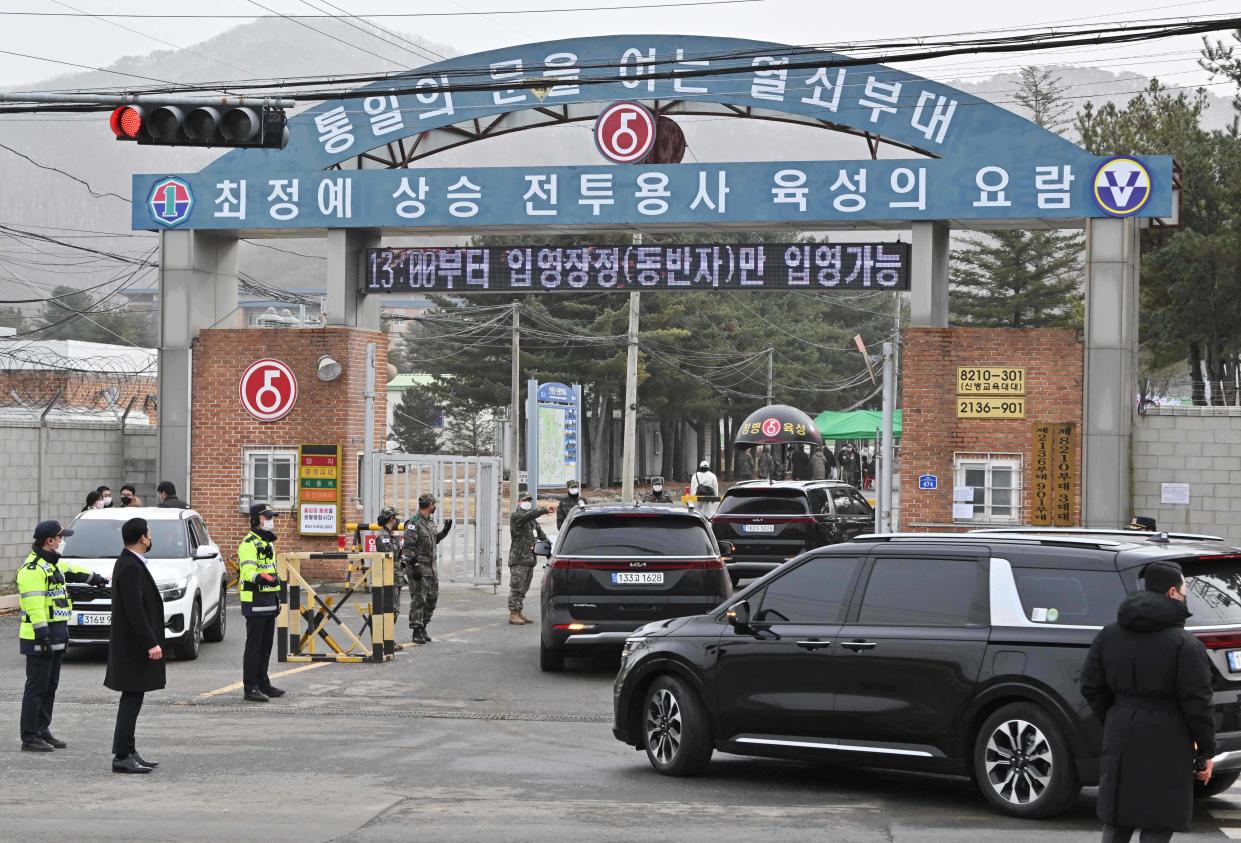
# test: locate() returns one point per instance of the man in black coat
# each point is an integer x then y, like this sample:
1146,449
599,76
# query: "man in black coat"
801,463
1149,681
168,496
135,648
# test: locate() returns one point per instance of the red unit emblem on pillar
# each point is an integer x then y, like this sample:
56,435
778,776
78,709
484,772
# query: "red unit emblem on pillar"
268,390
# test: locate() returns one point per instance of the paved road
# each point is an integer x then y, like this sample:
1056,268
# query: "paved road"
462,739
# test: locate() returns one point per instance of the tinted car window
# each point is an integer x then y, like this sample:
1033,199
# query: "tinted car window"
766,502
923,592
99,538
818,501
861,506
1212,590
814,592
1081,598
636,535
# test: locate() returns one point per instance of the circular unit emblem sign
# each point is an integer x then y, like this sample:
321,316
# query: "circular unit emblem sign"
170,202
625,132
771,427
1122,186
268,390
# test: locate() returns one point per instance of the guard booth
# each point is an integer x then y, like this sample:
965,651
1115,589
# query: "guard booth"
361,168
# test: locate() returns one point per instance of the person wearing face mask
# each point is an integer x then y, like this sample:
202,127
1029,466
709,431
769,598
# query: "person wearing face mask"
93,501
658,495
259,585
572,499
129,496
105,495
44,631
389,542
135,643
524,530
419,553
1149,681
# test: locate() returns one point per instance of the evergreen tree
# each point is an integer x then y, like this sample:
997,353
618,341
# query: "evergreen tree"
413,421
71,314
1022,279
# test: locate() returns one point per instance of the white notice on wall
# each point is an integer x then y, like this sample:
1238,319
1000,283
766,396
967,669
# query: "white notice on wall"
319,518
962,511
1174,493
963,494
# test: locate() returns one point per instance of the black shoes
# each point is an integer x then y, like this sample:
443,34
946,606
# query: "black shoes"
419,636
129,764
145,763
256,696
272,691
37,745
54,742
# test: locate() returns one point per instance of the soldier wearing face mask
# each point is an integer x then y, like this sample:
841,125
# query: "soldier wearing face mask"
658,495
568,502
524,530
259,585
418,551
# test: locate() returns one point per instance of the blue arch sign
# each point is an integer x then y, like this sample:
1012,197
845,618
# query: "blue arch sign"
970,160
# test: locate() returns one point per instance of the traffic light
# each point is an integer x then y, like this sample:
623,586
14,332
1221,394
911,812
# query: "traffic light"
203,125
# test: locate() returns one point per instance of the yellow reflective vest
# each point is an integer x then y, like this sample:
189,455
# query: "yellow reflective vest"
44,599
257,556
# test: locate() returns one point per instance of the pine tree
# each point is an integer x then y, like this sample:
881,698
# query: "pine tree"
1022,279
413,422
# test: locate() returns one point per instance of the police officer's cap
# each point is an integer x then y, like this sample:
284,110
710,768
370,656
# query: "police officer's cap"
49,529
425,500
1142,523
526,496
260,510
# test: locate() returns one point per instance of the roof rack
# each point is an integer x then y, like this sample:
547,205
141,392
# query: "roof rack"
983,535
1129,534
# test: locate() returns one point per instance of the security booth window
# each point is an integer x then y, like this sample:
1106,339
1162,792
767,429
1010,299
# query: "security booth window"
995,484
270,477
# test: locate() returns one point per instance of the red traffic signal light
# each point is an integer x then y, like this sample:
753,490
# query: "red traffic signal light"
126,122
174,125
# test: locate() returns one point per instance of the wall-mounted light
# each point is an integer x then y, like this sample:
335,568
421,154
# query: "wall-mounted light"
328,368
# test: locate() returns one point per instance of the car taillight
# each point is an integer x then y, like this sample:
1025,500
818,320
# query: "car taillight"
573,627
1220,640
714,563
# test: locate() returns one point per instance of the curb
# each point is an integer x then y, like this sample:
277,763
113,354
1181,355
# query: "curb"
9,603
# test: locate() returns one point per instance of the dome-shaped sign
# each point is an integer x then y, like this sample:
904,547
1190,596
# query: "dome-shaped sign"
778,424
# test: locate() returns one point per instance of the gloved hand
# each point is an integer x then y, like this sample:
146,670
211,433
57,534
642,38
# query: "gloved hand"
97,580
42,635
268,579
448,524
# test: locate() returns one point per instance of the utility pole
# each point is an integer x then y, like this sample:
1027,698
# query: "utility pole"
630,448
896,333
885,466
771,359
514,410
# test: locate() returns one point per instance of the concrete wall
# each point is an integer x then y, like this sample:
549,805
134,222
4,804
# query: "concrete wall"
77,456
1200,446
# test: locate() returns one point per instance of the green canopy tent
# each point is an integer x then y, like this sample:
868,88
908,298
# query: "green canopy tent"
858,424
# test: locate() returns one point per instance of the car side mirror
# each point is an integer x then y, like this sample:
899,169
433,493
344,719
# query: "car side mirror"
543,548
727,548
738,616
207,551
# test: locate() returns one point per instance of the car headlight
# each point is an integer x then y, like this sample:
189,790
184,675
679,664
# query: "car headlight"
172,590
632,647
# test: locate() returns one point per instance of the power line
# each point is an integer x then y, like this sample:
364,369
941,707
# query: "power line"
326,34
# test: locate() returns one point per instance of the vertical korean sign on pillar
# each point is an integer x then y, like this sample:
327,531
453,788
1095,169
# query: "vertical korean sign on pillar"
553,434
318,490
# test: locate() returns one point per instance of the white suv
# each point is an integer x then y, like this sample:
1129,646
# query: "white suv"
185,563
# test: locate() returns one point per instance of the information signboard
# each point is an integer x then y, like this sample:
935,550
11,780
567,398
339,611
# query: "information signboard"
990,380
318,490
554,419
673,267
1053,480
991,408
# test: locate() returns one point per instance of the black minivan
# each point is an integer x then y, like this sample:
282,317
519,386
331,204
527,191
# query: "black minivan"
954,653
770,522
616,568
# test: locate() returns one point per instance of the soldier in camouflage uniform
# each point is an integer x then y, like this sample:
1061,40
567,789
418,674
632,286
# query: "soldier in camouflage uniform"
389,542
569,501
658,494
419,555
524,530
744,467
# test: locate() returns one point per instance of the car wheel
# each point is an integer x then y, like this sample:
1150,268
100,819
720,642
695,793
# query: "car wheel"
187,645
1022,763
675,732
1217,785
550,660
215,631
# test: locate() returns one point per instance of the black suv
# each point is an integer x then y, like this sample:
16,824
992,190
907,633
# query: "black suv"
616,568
944,653
770,522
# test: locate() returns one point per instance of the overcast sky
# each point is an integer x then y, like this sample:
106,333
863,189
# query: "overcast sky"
91,41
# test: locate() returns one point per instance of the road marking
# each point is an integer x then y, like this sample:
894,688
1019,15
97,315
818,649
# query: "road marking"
1226,815
237,686
1232,833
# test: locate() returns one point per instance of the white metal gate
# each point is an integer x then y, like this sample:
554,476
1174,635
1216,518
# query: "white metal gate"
467,490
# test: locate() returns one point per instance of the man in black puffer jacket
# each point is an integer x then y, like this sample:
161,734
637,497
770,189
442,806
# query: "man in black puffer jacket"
1149,681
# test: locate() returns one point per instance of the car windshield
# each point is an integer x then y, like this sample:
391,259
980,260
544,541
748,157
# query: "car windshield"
763,502
636,536
100,538
1213,589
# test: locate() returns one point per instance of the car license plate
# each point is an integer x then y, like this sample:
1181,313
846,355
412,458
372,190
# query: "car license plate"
759,528
93,618
637,578
1234,661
